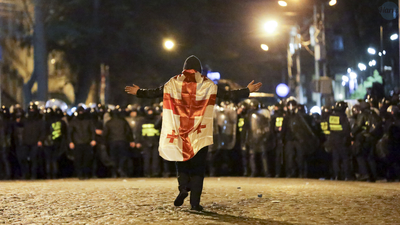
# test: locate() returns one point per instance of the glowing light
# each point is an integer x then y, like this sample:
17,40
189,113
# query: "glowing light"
380,54
169,44
53,61
270,26
214,75
371,51
362,66
340,96
264,47
282,3
348,70
332,2
394,37
345,78
353,76
343,83
384,52
315,109
372,63
282,90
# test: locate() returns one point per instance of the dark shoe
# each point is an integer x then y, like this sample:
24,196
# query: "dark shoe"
181,197
197,208
363,178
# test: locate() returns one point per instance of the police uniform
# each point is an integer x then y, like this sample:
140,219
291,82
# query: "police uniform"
149,140
276,128
339,142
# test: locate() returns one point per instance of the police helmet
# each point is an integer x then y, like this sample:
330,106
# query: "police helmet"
291,104
356,109
341,106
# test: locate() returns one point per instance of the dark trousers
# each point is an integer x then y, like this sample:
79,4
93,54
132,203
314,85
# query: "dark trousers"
279,158
24,154
151,161
341,161
83,158
100,156
5,163
191,175
120,156
294,159
366,161
51,154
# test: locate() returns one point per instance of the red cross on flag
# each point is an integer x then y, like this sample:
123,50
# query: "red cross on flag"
188,106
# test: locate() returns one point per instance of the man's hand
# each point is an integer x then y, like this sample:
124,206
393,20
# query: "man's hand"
254,87
132,89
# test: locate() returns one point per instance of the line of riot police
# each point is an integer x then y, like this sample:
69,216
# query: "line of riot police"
47,143
250,139
342,143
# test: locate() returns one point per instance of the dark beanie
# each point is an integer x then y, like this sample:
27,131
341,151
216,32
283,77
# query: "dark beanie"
192,62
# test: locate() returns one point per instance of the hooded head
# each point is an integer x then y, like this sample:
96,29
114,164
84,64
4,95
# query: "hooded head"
192,62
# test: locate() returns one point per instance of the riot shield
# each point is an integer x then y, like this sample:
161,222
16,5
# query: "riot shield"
52,103
304,134
258,129
225,119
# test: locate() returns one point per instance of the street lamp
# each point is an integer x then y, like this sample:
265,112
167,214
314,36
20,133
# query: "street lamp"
264,47
282,3
372,63
362,66
169,45
332,2
270,26
371,51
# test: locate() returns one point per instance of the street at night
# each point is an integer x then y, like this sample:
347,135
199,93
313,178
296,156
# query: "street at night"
226,200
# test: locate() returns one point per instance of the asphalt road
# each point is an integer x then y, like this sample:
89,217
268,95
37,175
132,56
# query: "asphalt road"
226,200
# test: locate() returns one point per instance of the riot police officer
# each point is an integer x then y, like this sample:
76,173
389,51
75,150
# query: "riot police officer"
5,141
339,142
299,140
256,130
55,134
135,122
30,133
219,153
118,134
292,150
367,131
81,135
393,144
277,138
149,139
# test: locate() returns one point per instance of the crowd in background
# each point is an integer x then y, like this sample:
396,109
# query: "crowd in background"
361,142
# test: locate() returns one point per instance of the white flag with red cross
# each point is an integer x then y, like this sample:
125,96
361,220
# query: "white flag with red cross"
188,107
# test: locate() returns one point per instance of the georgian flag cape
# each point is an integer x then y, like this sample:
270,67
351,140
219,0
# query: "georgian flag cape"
187,124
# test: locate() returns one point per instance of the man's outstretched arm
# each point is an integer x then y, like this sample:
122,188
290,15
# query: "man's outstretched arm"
240,93
158,92
145,93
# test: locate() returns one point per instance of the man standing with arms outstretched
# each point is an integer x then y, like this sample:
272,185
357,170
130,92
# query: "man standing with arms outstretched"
187,126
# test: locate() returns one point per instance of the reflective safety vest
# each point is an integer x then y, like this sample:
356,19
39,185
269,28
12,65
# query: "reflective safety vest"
149,130
325,128
240,124
278,122
334,123
56,130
